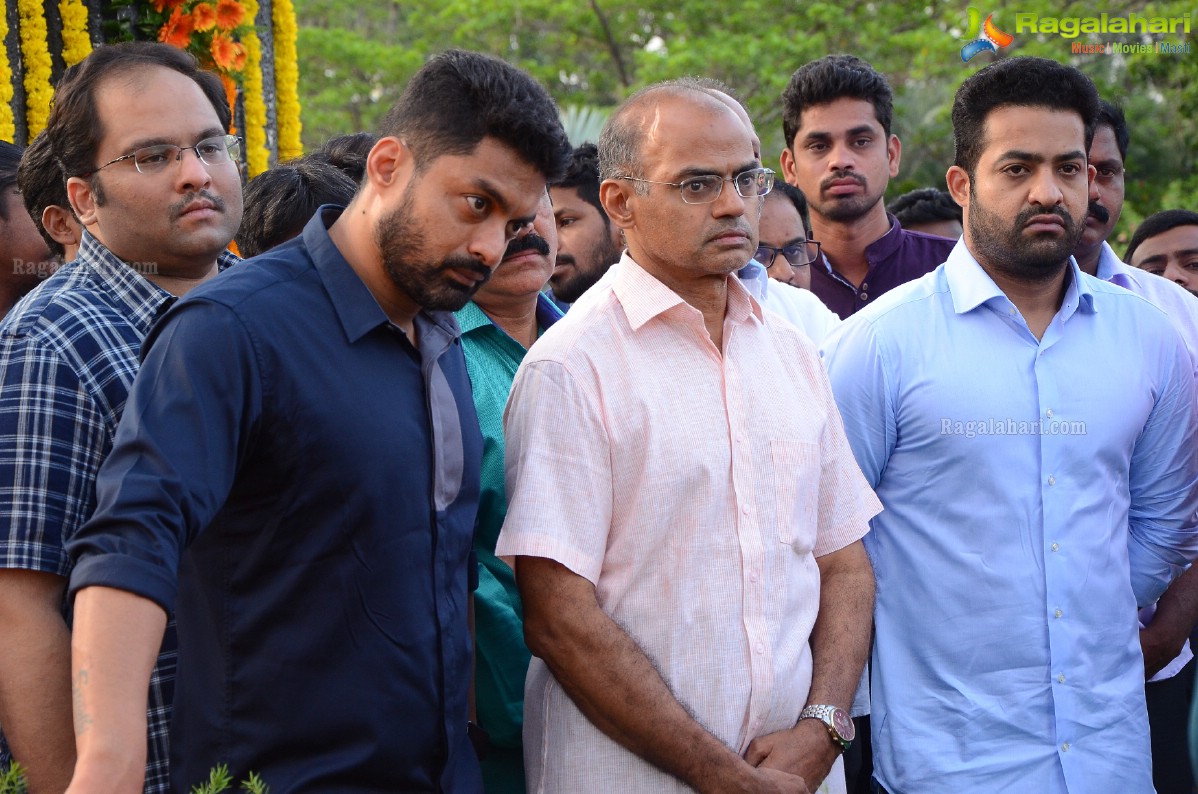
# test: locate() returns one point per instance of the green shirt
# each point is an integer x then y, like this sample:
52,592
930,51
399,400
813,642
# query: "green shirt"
492,358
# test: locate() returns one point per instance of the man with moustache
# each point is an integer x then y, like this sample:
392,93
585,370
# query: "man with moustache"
841,154
1168,660
695,592
508,313
588,244
297,475
1032,499
140,135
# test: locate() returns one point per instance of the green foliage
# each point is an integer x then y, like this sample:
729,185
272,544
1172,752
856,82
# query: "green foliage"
356,57
220,780
12,780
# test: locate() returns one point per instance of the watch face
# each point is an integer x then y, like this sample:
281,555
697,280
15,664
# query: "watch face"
843,724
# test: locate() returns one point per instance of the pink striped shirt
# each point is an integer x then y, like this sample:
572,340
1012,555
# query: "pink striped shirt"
642,459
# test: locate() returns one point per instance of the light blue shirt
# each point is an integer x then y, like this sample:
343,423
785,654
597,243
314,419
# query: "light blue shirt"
1035,492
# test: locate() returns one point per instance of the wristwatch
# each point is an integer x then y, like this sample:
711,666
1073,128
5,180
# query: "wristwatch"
837,721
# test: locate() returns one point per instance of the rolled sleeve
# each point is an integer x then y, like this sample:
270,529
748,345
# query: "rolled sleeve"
166,479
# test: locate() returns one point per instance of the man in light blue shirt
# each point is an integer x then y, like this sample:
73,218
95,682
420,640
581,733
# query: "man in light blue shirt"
1031,432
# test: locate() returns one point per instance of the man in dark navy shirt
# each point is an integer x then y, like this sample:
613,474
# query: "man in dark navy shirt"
297,476
841,154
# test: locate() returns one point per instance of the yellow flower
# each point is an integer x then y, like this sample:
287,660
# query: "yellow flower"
203,16
8,127
286,81
76,43
257,155
36,56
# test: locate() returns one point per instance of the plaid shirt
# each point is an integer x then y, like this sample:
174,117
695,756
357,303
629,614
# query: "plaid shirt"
68,354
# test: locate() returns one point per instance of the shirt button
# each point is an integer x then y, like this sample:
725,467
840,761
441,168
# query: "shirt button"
864,296
1059,613
760,649
745,509
864,285
752,577
1048,413
1056,547
1065,747
1011,312
1052,480
1061,678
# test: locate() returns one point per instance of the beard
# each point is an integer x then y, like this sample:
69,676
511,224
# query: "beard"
845,209
600,256
1004,246
401,244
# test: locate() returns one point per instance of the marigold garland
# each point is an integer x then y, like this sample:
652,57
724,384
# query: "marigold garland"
257,155
8,127
76,43
286,80
35,54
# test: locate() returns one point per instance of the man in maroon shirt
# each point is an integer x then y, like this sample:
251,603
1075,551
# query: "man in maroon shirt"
841,154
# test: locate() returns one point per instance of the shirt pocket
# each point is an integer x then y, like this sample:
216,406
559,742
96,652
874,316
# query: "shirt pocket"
796,476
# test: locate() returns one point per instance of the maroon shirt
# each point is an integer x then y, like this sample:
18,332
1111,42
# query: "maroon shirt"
894,258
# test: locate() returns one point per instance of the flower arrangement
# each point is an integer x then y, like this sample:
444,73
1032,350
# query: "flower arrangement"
76,43
8,127
211,30
286,80
36,55
257,153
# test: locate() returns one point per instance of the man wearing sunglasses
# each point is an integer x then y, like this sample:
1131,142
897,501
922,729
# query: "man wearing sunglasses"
696,595
140,135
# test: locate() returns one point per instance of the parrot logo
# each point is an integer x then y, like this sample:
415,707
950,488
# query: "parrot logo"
988,37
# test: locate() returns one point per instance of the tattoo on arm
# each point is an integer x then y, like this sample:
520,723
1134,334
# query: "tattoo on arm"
82,719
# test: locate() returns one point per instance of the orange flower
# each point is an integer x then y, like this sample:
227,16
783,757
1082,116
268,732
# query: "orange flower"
230,97
229,14
227,54
203,16
166,5
177,30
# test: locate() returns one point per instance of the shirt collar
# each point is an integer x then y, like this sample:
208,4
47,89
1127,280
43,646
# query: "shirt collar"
135,296
1111,268
888,244
971,286
643,297
471,317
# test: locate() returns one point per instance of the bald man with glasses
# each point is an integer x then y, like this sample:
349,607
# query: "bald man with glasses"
695,590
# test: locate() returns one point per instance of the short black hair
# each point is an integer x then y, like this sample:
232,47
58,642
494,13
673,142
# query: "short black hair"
582,175
347,152
1111,115
42,185
828,79
10,160
796,197
281,201
925,205
1024,81
458,98
74,126
1159,223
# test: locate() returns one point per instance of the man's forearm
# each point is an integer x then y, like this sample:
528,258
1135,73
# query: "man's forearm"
35,669
613,683
1175,615
841,635
115,642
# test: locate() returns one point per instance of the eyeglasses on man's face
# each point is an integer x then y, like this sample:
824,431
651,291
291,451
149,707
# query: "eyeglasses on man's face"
705,189
798,254
217,150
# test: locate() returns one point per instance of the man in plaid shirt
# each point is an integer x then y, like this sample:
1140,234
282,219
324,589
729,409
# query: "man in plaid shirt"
140,135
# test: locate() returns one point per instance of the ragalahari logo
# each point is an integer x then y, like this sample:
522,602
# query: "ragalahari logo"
988,36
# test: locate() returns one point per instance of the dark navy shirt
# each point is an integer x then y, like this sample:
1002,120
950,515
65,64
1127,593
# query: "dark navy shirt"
894,258
313,479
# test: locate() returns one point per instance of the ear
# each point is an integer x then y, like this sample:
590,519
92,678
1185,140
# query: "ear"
82,198
958,185
60,224
894,149
787,161
614,195
389,164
